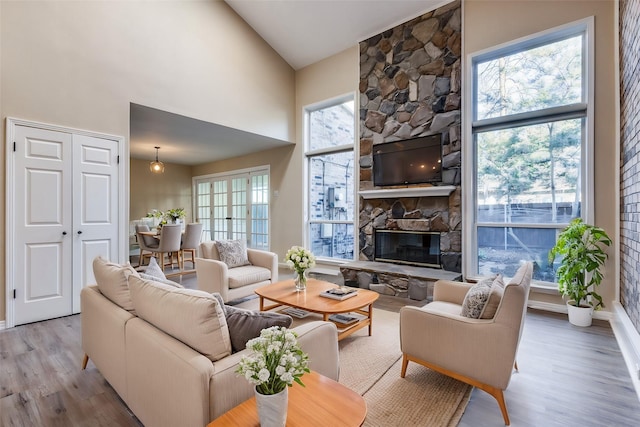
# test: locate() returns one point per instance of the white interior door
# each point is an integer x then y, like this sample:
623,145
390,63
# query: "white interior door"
95,207
43,225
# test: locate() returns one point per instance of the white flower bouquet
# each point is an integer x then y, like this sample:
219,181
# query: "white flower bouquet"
277,360
300,259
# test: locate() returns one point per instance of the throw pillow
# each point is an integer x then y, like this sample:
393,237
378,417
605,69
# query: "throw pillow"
233,252
476,298
246,324
112,282
159,280
153,269
495,296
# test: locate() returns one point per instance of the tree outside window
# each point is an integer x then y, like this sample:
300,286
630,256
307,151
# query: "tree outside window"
529,121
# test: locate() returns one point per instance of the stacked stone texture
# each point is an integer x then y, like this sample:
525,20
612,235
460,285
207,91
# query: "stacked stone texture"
410,87
630,159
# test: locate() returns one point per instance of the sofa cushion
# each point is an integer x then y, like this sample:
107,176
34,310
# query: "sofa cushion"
247,324
495,296
163,281
247,275
476,298
232,252
111,279
193,317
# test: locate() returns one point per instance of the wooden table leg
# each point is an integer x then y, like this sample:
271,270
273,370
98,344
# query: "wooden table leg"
370,319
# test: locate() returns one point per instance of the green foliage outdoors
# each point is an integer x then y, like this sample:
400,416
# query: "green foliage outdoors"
581,247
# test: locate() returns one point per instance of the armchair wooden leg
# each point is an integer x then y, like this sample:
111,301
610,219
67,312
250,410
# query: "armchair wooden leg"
493,391
85,360
405,363
515,366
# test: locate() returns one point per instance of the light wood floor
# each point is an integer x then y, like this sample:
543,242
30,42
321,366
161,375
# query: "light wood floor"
569,376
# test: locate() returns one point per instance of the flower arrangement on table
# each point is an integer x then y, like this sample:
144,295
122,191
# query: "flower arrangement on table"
175,214
277,361
300,260
169,216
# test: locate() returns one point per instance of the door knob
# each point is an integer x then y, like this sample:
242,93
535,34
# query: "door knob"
79,231
64,233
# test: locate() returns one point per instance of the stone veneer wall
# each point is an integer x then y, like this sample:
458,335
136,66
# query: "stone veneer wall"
410,86
630,159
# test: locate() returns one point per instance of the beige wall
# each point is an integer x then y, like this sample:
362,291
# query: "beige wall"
169,190
332,77
488,23
80,63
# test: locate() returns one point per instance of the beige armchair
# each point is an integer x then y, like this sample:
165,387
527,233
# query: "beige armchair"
214,275
479,352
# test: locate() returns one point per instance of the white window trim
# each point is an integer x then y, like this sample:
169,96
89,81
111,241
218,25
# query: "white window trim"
306,154
255,170
587,26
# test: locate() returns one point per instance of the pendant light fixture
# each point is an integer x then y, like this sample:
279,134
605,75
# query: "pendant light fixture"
157,166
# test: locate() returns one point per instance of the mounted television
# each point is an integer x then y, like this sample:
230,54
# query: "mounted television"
412,161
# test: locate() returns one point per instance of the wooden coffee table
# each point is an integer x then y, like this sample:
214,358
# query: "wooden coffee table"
284,293
322,402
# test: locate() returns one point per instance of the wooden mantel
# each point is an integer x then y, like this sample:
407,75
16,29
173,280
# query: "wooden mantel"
435,191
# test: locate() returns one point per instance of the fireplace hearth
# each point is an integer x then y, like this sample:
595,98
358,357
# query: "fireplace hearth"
419,248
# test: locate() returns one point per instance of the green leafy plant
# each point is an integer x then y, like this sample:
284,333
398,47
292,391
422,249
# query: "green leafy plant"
175,214
581,248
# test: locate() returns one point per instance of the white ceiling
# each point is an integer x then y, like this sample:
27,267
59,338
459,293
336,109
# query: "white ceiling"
306,31
302,32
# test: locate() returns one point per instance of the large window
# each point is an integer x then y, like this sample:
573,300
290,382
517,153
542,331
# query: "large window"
330,191
531,149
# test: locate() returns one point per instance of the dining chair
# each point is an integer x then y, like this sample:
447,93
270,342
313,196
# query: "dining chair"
190,242
170,237
146,243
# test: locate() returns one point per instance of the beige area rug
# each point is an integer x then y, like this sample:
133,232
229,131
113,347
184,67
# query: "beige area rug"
370,365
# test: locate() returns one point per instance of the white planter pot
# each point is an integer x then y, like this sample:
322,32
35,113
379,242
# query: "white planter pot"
579,316
272,408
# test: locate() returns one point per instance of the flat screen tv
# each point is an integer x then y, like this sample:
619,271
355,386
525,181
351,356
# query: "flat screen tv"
412,161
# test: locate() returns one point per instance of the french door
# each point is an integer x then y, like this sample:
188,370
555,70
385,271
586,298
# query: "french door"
235,206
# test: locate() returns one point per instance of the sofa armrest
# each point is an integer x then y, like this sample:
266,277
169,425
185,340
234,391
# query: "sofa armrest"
447,340
320,341
268,260
450,291
212,276
103,336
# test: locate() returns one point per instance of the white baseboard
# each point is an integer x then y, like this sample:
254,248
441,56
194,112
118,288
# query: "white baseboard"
2,325
562,308
629,341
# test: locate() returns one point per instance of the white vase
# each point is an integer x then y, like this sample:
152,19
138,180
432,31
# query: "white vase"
579,316
272,408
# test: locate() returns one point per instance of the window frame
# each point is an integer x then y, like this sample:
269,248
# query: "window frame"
308,154
472,126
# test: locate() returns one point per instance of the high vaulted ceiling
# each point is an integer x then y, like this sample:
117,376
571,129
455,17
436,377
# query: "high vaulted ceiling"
302,32
306,31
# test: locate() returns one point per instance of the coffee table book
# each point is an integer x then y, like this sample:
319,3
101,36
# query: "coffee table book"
339,294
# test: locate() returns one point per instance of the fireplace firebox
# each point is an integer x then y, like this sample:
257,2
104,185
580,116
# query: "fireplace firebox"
421,248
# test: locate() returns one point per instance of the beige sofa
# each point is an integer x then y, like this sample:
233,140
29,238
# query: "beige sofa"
164,381
214,275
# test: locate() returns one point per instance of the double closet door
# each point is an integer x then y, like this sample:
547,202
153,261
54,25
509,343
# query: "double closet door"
65,213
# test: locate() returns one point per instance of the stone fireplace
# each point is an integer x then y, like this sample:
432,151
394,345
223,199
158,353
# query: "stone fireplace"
410,87
420,248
